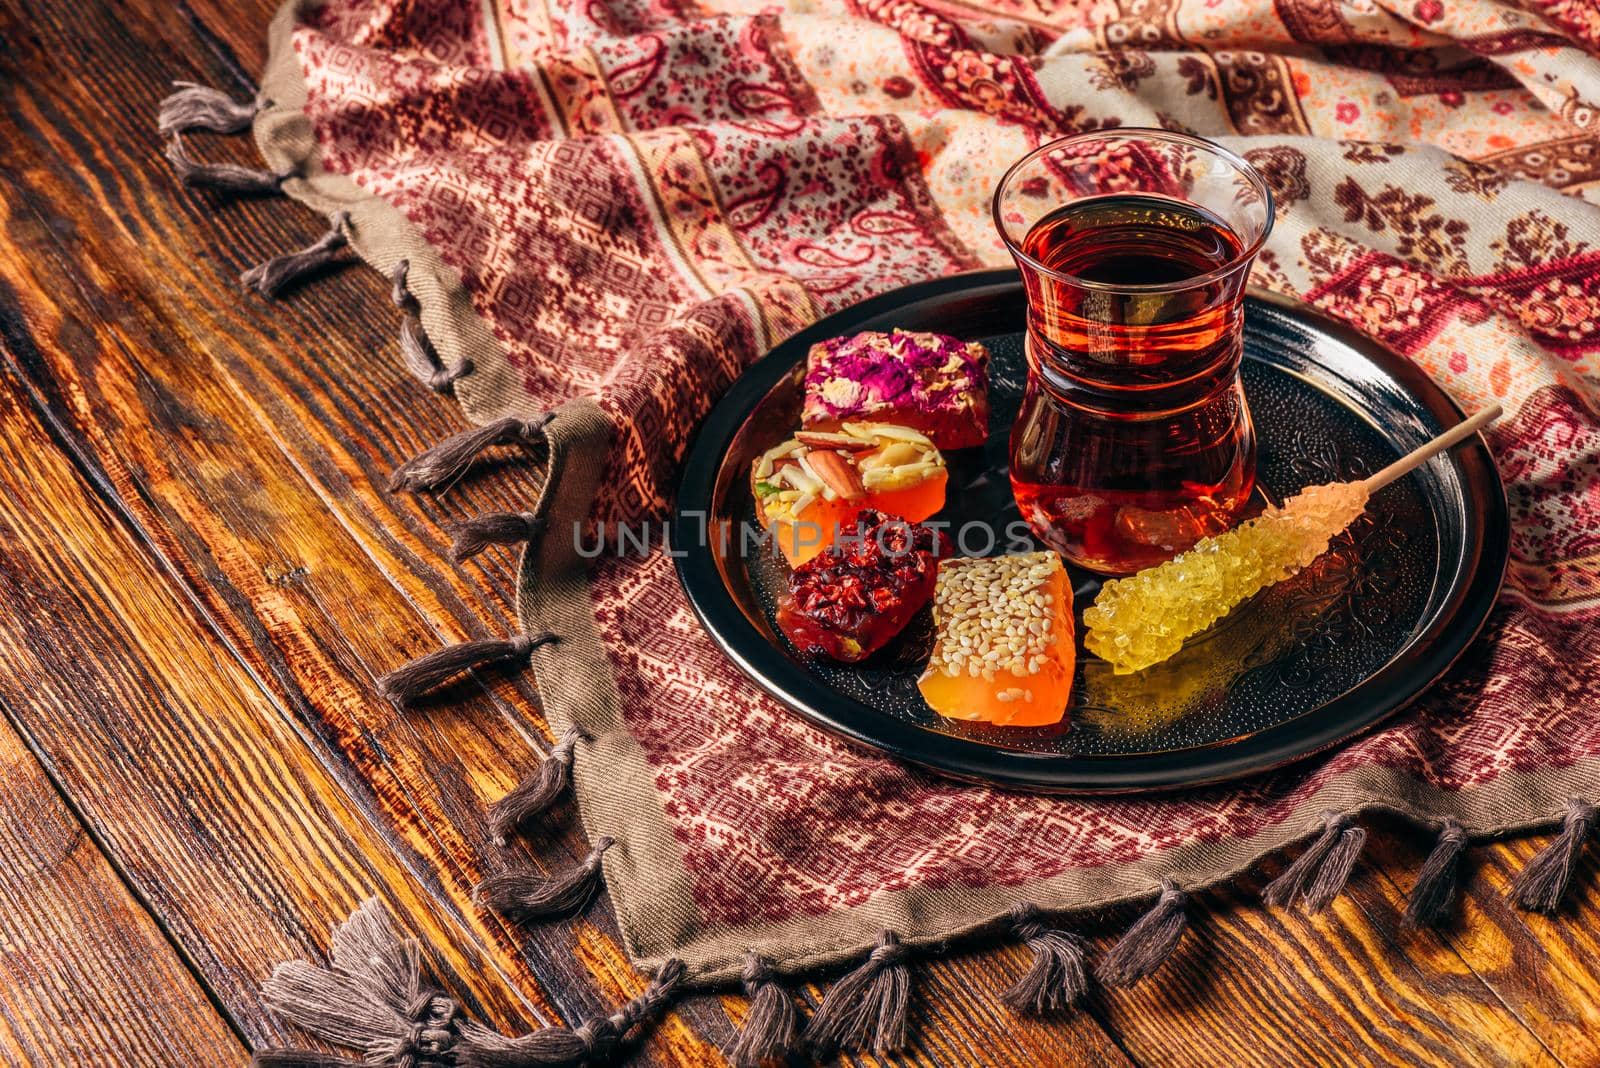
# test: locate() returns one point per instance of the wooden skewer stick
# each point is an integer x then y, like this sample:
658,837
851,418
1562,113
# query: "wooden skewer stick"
1465,429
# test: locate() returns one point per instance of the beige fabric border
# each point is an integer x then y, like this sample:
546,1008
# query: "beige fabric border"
646,876
381,235
934,916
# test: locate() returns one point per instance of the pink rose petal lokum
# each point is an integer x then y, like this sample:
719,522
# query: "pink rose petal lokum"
930,382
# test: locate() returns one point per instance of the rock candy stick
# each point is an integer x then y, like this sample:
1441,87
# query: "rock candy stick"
1144,619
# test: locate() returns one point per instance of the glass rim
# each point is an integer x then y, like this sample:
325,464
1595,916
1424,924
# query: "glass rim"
1139,133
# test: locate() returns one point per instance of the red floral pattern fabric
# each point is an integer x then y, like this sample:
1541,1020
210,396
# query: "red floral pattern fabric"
641,196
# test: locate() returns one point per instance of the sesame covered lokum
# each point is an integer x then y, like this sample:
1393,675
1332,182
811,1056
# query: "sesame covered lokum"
932,382
1003,652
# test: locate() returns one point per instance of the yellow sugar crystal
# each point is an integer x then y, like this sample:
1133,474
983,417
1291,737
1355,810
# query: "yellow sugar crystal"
1144,619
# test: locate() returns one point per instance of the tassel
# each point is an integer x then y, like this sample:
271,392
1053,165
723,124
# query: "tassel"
199,107
406,684
399,293
1057,978
375,1000
538,791
772,1025
423,362
270,277
868,1007
421,358
1318,874
598,1040
524,895
496,528
224,177
449,460
1543,881
1435,891
1149,942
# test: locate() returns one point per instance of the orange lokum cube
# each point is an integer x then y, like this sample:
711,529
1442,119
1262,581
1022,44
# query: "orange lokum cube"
1003,652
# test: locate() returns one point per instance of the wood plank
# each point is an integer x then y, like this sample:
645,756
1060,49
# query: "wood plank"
86,975
1255,983
185,769
1541,968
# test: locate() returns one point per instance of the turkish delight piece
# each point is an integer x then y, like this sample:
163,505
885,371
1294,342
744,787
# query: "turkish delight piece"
930,382
1003,651
850,601
809,488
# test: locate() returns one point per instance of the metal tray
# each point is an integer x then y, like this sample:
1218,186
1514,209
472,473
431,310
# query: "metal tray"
1304,666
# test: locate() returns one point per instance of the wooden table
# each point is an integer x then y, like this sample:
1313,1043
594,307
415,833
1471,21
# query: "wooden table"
200,577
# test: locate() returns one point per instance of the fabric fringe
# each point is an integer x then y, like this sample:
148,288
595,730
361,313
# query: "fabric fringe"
427,673
1319,873
496,528
227,178
867,1008
1435,890
421,358
373,999
1149,942
376,1000
599,1040
526,895
447,461
1543,881
199,107
271,277
772,1026
1057,978
539,791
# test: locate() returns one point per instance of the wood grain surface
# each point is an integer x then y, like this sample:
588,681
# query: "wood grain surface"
200,577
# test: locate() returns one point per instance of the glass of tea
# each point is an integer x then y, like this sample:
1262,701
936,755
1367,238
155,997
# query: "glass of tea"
1133,440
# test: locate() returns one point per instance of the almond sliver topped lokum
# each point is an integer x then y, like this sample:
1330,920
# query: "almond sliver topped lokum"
1003,652
811,486
931,382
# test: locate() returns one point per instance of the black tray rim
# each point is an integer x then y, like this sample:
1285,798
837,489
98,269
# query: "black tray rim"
1379,697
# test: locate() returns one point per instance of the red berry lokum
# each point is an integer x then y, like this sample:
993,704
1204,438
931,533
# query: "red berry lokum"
848,602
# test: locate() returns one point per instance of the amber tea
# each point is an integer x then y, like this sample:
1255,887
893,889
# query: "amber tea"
1145,382
1133,440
